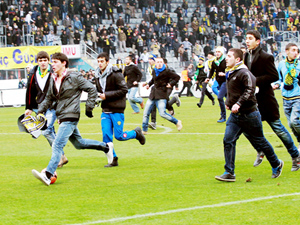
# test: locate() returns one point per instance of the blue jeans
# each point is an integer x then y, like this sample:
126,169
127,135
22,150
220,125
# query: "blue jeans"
68,131
249,124
284,136
133,100
100,50
113,123
212,43
161,106
222,93
292,113
144,10
49,133
127,18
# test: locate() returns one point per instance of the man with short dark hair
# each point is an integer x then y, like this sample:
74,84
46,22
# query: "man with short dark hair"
288,71
38,82
261,65
65,90
134,76
244,117
112,87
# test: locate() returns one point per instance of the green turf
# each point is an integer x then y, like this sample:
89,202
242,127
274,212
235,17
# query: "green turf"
172,171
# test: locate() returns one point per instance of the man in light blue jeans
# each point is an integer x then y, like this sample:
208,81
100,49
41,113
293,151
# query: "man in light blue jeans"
134,76
37,86
162,78
65,90
133,100
288,71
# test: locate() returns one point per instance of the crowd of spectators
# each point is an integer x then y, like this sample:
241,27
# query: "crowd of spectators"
156,30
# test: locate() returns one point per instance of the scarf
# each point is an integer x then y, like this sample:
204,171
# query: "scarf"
107,41
238,66
158,71
45,72
169,20
200,66
218,61
202,30
104,75
291,67
34,124
207,21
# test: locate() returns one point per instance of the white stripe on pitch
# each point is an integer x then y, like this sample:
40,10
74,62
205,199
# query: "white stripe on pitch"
22,133
118,219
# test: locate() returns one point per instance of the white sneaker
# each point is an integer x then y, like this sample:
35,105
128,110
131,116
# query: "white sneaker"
179,125
42,177
110,154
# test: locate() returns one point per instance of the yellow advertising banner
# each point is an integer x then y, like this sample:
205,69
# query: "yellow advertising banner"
20,57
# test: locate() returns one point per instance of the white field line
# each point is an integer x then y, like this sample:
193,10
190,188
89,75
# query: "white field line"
118,219
149,133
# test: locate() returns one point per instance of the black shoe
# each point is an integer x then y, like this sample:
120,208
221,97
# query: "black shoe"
114,163
213,102
199,105
140,136
228,177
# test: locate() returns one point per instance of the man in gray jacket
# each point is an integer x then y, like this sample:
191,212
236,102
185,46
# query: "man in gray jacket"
65,90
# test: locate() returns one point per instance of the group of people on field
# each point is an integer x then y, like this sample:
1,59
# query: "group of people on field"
247,80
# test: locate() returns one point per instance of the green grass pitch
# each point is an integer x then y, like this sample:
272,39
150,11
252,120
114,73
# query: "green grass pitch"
172,171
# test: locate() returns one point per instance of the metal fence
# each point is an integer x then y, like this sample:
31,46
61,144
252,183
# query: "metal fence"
290,36
2,41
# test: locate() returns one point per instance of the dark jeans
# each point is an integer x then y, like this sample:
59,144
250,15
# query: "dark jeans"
221,95
188,85
204,92
250,125
284,136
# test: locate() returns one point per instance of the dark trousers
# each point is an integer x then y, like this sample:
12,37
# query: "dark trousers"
251,126
204,92
111,15
188,85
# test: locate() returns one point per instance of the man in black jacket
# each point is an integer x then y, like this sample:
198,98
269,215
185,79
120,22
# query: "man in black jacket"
112,87
134,76
218,66
162,79
261,65
244,117
38,81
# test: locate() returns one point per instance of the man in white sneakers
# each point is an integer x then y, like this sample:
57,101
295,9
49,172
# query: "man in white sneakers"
65,89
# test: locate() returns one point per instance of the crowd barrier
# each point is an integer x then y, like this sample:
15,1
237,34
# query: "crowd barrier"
16,97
